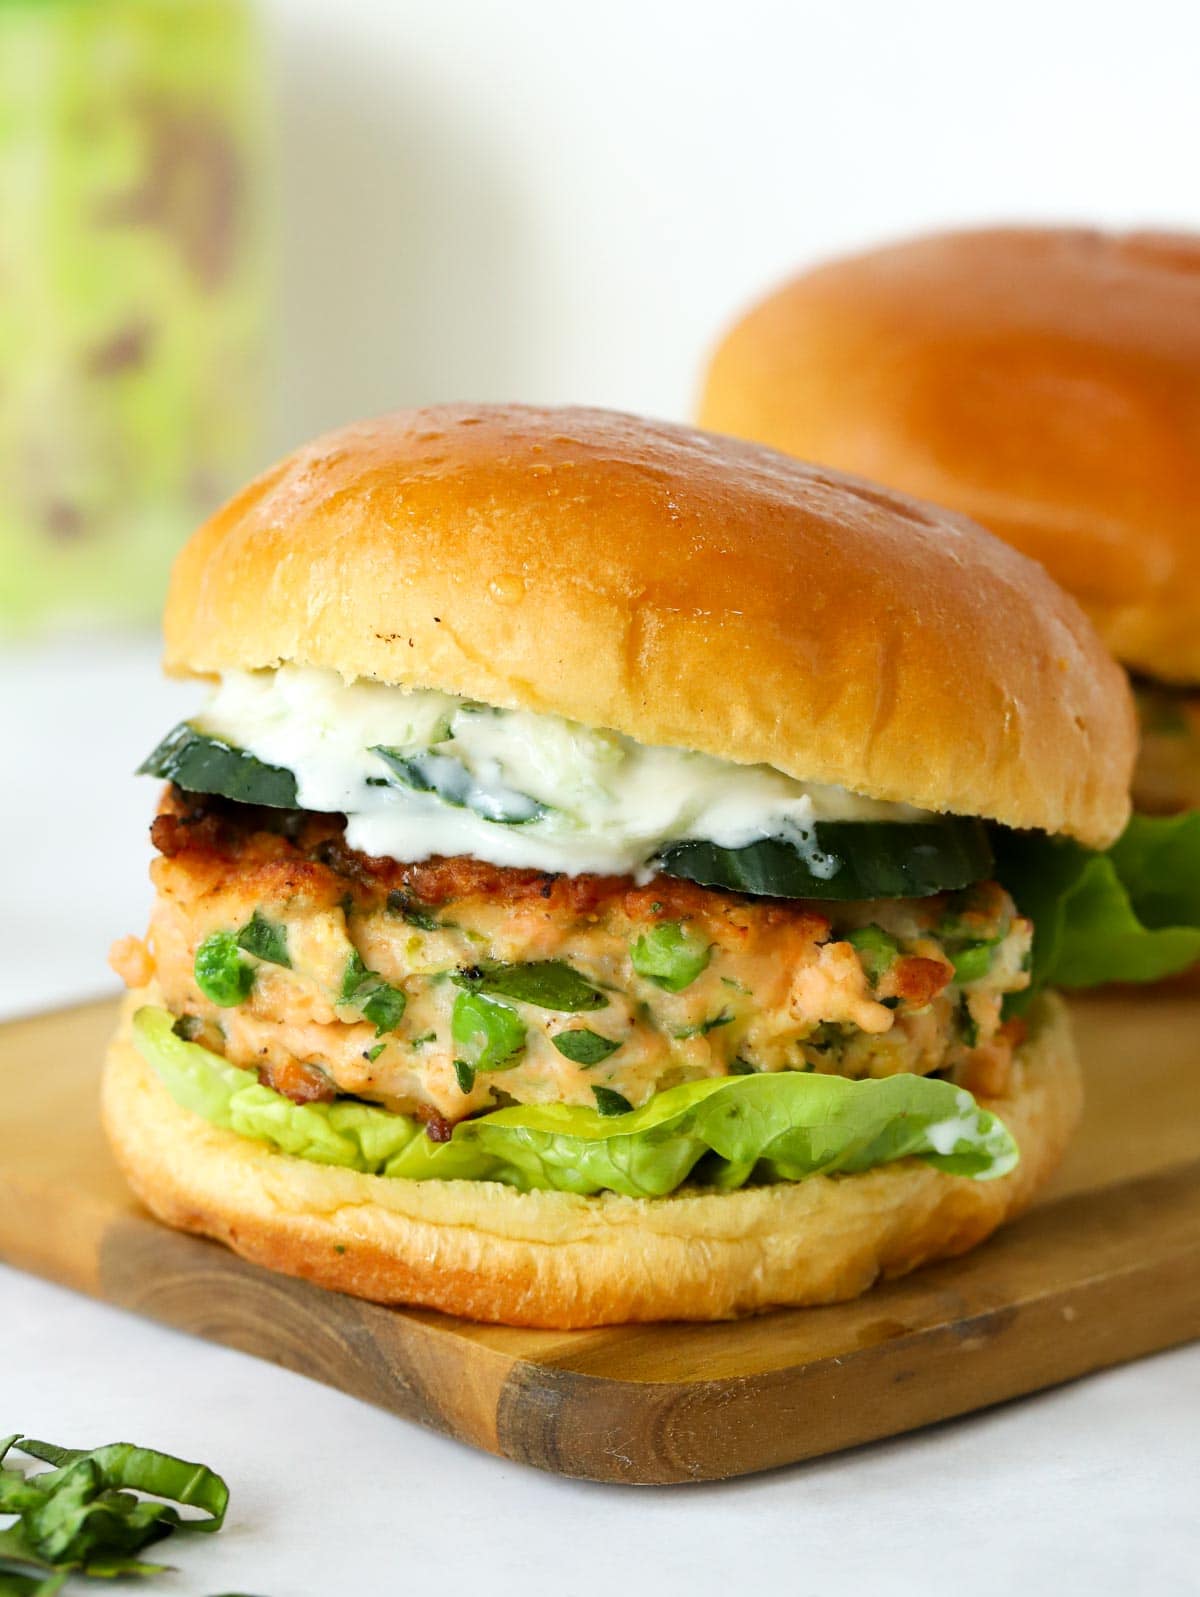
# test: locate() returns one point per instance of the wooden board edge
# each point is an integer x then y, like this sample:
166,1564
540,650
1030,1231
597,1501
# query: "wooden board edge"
392,1360
1093,1252
1086,1257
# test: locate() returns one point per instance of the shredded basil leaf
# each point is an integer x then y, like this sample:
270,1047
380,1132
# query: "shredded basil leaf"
82,1516
548,983
705,1026
265,939
377,1000
583,1047
415,914
609,1102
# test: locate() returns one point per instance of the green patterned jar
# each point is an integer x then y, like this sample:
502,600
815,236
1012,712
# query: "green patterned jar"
132,273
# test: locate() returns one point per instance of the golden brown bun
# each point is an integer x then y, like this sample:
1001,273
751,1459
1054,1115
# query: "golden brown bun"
683,589
1044,381
554,1259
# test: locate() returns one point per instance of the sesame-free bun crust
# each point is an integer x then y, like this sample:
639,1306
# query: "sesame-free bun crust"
1045,381
683,589
554,1259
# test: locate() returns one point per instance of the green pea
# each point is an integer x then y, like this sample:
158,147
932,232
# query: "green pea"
222,975
488,1034
670,956
972,962
876,949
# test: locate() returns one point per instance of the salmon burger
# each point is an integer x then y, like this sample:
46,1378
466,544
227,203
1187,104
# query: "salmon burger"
591,890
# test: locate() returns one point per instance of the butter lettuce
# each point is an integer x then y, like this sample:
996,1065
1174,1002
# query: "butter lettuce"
1131,914
721,1133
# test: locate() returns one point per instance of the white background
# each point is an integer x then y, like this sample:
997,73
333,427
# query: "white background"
551,200
556,201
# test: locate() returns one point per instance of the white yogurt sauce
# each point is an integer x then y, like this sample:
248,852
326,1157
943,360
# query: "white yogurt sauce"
946,1136
602,802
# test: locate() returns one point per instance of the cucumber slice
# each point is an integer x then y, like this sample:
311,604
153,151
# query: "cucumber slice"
450,781
844,860
837,860
204,764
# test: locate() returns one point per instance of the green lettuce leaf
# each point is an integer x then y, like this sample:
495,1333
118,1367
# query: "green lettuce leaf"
1130,915
777,1127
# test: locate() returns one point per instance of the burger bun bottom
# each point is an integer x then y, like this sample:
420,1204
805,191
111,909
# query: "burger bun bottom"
553,1259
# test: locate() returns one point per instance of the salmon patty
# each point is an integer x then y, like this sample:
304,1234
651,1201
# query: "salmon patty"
449,987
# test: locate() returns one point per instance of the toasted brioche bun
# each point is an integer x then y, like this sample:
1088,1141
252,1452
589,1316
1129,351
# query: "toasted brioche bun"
553,1259
683,589
1044,381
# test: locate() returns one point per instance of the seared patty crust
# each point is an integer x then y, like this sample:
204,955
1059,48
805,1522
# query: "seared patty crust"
664,983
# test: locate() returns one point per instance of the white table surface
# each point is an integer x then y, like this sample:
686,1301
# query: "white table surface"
1089,1489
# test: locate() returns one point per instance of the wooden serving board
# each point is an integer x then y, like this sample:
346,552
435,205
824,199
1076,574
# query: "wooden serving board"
1106,1268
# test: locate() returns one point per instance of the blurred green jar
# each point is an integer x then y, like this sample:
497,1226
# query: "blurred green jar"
132,242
